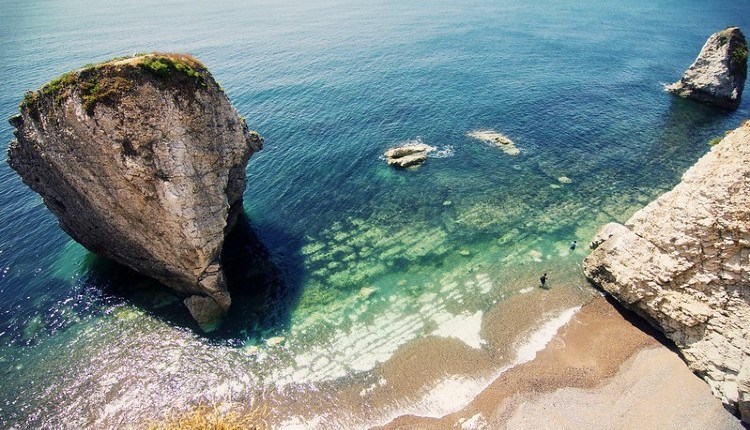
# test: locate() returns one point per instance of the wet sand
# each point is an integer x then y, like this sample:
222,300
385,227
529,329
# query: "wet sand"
604,369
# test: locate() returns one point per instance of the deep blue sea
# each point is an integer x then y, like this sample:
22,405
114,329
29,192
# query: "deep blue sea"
342,262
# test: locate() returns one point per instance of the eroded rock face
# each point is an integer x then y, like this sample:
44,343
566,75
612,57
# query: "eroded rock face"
683,262
718,75
143,161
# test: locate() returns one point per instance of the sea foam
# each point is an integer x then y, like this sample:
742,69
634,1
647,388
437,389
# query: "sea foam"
456,392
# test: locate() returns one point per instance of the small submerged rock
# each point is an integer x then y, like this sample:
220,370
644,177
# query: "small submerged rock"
564,180
497,139
536,255
251,350
367,292
717,76
408,155
275,341
34,326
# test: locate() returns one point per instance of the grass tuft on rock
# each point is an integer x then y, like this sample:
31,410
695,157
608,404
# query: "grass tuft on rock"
102,90
739,57
105,82
167,65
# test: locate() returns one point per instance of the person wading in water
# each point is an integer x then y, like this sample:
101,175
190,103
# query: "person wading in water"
543,279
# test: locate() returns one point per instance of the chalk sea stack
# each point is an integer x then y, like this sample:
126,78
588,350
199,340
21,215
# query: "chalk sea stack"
717,76
142,160
683,262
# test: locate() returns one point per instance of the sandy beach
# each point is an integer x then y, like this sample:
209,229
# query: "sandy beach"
604,369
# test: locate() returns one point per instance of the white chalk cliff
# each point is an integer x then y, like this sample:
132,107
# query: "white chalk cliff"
683,262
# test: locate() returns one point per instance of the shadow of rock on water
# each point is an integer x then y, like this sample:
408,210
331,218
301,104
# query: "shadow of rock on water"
263,295
687,126
687,120
658,157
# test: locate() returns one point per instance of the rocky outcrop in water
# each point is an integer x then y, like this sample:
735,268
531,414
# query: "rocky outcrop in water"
408,155
143,161
683,262
718,75
496,139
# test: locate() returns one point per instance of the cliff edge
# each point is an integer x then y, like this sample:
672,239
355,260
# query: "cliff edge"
142,160
718,75
683,262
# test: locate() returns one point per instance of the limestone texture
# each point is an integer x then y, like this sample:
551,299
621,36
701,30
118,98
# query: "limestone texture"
717,76
142,160
683,262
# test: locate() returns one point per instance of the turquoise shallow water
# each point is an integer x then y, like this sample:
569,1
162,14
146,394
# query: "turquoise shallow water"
340,259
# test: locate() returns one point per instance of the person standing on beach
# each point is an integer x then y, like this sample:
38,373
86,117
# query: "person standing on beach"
543,279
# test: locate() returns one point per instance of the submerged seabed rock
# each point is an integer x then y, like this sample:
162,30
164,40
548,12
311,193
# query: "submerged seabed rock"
683,262
718,75
496,139
142,160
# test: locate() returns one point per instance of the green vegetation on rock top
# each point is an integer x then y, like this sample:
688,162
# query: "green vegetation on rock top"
104,90
104,82
166,65
739,57
725,35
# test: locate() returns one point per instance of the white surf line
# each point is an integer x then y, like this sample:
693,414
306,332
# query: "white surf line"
464,327
452,393
456,392
443,152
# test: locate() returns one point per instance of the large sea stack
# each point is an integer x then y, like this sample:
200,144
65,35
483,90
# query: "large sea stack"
717,76
142,160
683,262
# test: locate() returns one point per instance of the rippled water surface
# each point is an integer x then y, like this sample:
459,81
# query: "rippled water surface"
343,265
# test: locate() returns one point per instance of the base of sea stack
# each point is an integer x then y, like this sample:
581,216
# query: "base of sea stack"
681,90
206,311
606,368
209,310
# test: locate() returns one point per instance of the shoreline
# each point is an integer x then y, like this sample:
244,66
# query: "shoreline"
441,373
604,355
